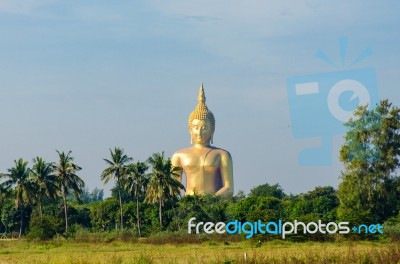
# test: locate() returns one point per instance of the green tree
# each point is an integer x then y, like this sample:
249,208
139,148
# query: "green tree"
3,195
320,203
204,207
116,170
238,197
104,215
252,209
43,228
126,197
68,180
9,216
85,196
268,191
24,187
369,190
164,184
47,185
96,195
135,183
5,189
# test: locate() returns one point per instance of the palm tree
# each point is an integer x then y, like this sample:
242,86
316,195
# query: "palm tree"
65,170
135,183
24,187
5,189
116,170
164,183
42,175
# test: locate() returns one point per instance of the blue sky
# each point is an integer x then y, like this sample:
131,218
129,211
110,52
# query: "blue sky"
87,76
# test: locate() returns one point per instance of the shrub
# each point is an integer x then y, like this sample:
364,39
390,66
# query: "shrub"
392,228
42,228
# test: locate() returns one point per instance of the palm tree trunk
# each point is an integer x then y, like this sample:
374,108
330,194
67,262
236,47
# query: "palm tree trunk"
41,209
137,210
120,205
22,219
160,213
65,209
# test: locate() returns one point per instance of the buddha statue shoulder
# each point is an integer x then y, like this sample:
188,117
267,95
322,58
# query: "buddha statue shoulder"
208,169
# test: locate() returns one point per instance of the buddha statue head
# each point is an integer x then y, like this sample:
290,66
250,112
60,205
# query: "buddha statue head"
201,122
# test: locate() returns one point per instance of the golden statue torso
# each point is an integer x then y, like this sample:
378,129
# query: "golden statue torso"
204,168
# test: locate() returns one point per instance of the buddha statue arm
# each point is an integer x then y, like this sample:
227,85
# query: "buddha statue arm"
226,175
176,162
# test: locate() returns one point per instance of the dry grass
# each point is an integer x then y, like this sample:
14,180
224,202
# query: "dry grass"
117,252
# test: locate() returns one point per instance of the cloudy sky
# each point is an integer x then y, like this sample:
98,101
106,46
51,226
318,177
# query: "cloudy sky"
88,76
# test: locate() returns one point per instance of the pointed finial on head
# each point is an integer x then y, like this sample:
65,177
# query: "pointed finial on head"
201,98
201,112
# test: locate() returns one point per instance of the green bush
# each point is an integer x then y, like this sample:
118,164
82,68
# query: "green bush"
391,228
42,228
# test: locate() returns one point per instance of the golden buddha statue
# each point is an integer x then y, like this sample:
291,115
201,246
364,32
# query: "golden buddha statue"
208,169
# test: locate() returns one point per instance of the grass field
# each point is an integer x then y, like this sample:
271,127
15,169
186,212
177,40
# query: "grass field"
61,251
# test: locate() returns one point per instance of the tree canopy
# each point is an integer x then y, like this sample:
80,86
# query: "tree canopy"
369,191
268,191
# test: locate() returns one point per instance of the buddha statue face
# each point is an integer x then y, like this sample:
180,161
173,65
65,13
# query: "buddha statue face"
201,132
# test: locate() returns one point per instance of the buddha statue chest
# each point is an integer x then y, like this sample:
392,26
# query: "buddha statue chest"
206,159
202,169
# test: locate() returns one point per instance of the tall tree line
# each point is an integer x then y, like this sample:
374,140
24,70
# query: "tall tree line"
49,181
159,186
30,186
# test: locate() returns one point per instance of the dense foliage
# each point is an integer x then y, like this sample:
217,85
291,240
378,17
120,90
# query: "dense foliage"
370,187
